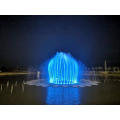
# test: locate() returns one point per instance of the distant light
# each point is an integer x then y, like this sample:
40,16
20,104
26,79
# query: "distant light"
63,69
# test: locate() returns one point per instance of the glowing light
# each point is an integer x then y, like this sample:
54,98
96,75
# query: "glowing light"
63,69
63,96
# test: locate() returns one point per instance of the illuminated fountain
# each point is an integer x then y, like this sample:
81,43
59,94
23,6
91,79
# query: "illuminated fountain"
62,76
62,70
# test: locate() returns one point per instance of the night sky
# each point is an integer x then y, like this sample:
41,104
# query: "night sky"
31,40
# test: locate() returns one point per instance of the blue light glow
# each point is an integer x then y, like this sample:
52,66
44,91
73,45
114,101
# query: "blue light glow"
63,96
63,69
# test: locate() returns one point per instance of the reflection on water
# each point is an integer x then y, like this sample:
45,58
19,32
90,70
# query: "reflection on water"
13,90
23,87
16,83
63,96
9,86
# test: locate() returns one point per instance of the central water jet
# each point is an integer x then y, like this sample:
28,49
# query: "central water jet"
63,69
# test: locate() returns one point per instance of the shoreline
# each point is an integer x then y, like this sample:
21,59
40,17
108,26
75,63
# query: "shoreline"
90,73
14,73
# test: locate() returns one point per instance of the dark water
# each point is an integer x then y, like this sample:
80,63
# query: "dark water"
13,91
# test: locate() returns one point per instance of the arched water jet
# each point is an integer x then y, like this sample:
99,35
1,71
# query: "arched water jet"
63,69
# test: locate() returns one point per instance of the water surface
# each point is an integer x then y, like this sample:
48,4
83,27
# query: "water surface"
13,91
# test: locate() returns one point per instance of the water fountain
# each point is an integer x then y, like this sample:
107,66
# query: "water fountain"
62,76
63,70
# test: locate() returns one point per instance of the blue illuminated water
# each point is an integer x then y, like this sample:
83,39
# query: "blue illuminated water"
62,76
63,96
63,69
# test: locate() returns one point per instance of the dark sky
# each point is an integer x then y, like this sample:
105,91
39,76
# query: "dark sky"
30,40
